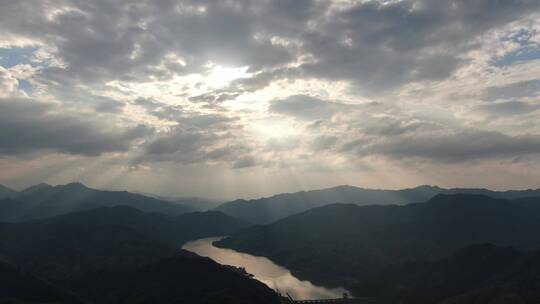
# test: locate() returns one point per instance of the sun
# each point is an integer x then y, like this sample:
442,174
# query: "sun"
221,76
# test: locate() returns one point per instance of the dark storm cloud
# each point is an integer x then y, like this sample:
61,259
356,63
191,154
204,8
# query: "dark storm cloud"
449,146
308,107
28,127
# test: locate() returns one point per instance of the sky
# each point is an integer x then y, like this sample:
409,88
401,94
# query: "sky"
238,98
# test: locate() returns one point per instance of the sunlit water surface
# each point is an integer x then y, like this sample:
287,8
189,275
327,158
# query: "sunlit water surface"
264,270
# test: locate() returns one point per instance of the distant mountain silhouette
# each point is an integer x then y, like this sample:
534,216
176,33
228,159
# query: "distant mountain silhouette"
6,192
195,203
343,244
41,187
43,200
11,210
120,255
174,230
270,209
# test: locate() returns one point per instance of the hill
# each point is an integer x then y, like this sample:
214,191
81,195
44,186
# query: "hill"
479,274
41,201
6,192
11,210
185,278
517,284
121,255
181,278
75,243
174,230
344,244
17,286
270,209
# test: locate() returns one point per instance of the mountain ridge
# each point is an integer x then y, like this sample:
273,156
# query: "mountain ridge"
43,200
340,244
269,209
6,192
120,255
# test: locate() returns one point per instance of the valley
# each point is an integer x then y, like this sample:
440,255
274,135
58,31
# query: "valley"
451,248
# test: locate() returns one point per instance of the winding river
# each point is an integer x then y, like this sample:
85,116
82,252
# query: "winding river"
264,270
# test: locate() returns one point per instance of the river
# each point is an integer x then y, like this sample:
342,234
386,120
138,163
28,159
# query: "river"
274,276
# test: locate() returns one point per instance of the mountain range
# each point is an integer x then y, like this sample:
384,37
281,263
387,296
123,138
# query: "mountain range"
120,255
43,200
6,192
195,203
184,278
482,273
19,286
74,244
346,244
269,209
118,235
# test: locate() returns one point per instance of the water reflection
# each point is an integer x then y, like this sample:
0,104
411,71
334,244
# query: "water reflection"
264,270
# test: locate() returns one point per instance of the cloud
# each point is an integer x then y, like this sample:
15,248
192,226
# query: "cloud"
382,45
274,83
375,45
528,88
308,107
27,126
8,83
179,144
194,146
213,97
509,108
449,146
380,124
143,40
282,144
323,142
245,162
183,117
